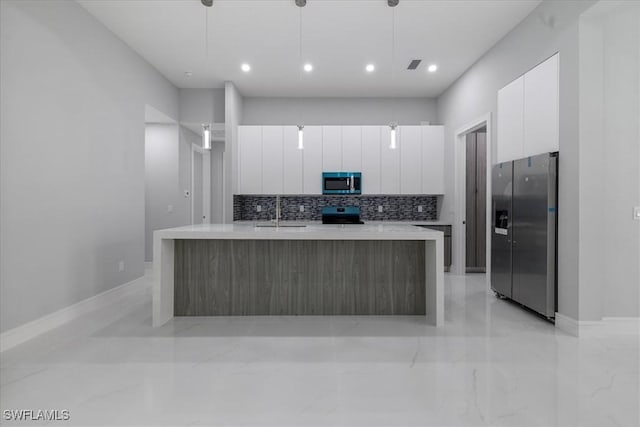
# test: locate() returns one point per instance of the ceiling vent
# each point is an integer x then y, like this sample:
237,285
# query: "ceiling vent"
414,64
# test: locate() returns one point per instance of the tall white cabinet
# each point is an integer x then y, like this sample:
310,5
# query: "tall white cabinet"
410,146
371,148
292,161
312,176
271,163
250,159
528,113
272,159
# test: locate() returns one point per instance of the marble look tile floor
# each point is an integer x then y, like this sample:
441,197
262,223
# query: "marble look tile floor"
492,364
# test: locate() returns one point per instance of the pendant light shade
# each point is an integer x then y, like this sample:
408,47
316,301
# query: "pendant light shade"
300,137
392,144
206,136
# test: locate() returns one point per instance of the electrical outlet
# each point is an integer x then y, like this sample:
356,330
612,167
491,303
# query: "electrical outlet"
258,208
301,208
170,208
121,266
419,208
380,208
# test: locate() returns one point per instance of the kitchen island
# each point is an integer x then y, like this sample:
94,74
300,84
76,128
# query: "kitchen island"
242,269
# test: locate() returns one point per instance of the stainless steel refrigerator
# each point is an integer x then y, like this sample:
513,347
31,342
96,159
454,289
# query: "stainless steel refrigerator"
524,232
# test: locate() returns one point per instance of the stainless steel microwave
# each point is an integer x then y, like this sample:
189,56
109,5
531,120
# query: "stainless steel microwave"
341,183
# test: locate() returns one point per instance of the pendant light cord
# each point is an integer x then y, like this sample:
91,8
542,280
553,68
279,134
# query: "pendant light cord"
300,65
393,59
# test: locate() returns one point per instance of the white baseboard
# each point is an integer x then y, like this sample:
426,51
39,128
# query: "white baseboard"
567,324
30,330
604,327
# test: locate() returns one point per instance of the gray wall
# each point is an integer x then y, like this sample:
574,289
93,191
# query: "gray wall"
71,157
167,176
198,106
609,171
338,111
550,28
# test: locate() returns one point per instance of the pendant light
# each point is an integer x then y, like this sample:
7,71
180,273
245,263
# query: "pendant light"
393,125
392,144
300,137
206,136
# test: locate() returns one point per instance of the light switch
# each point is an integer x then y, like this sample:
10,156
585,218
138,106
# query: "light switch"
258,208
636,212
420,208
379,208
301,208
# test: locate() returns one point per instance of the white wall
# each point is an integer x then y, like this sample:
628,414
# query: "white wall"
609,160
71,156
233,117
338,111
163,182
550,28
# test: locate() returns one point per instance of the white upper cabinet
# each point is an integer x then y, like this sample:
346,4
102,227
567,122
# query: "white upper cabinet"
432,159
410,146
389,164
351,148
269,161
250,159
312,160
292,161
371,173
528,113
511,121
272,160
541,108
331,148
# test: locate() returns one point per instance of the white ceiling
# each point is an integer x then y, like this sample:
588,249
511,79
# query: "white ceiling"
338,36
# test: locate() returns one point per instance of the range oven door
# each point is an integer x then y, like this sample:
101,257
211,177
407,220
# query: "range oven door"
341,183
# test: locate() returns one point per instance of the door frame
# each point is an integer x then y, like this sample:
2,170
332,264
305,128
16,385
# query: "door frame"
206,184
459,228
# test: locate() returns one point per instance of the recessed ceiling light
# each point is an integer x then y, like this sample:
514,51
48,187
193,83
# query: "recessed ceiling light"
308,67
370,68
188,74
245,67
432,68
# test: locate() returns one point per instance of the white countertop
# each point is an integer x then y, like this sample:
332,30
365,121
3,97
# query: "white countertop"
387,222
312,231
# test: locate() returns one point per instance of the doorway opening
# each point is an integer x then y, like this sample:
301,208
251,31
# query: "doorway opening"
476,200
478,130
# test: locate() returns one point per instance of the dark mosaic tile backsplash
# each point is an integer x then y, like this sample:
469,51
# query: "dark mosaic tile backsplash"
393,207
